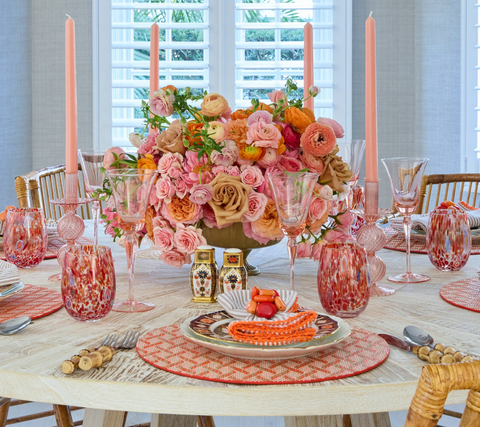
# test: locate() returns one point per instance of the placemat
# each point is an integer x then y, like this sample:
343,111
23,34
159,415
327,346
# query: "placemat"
166,348
396,242
464,294
53,246
32,301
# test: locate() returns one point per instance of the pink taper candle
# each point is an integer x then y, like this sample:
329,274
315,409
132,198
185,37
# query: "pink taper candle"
71,169
370,102
307,63
154,53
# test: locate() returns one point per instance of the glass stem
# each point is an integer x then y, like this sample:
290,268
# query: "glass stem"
292,253
96,216
407,228
131,244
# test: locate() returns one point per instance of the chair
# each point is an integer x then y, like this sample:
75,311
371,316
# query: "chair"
435,383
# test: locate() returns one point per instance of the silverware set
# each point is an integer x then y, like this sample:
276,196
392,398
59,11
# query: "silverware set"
129,340
12,290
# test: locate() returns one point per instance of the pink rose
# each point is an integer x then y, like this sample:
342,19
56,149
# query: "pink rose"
290,164
317,249
168,161
277,95
175,258
336,235
164,189
252,175
219,169
188,238
260,116
158,221
175,172
337,127
313,163
260,134
317,208
150,145
292,138
201,194
346,221
304,249
181,188
163,238
326,192
109,157
154,200
161,104
269,159
234,171
256,206
227,157
209,216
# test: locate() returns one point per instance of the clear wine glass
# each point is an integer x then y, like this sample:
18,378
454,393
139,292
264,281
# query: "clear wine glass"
405,175
92,162
293,194
131,190
351,152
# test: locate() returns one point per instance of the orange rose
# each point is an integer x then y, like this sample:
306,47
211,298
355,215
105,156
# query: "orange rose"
238,131
214,105
309,113
297,118
171,87
181,210
318,140
264,107
249,152
193,128
267,225
241,114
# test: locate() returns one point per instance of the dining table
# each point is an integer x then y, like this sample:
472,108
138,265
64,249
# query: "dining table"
30,360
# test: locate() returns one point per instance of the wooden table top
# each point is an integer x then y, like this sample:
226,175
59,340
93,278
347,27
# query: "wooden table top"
30,360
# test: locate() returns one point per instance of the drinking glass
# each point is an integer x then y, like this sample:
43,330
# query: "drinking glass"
131,190
448,239
343,279
292,193
88,282
25,237
351,152
405,175
92,162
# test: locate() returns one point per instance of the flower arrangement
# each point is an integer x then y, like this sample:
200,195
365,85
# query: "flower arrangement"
212,166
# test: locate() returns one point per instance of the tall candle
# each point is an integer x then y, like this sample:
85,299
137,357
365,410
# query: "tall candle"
154,53
71,112
307,63
370,102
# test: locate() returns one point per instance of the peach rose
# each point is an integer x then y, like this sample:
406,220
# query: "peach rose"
161,104
252,176
267,225
188,239
318,140
171,139
261,134
175,258
256,206
163,238
214,105
337,127
181,211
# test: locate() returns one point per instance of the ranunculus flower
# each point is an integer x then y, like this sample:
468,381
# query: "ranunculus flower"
260,115
277,95
267,225
227,157
201,194
163,238
313,163
337,127
252,176
317,249
169,160
241,114
318,140
161,104
298,119
218,131
149,146
171,139
181,210
250,153
244,162
292,138
238,131
304,249
146,162
269,159
213,105
265,135
262,106
227,114
230,198
135,139
164,189
256,206
313,90
188,239
290,164
109,158
317,208
234,171
175,258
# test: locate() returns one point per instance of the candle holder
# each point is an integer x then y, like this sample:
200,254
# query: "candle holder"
70,227
373,238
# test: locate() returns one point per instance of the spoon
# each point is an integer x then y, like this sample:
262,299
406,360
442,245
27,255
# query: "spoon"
12,326
417,336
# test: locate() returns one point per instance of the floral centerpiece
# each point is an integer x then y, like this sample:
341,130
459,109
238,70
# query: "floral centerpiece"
212,166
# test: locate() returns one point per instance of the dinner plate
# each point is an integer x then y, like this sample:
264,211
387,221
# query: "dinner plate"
249,351
214,326
20,288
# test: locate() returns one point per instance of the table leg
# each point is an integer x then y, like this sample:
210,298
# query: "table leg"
103,418
381,419
167,420
205,421
63,417
4,407
315,421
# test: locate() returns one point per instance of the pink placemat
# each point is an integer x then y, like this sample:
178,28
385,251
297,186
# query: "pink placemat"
167,349
396,242
464,294
32,301
54,244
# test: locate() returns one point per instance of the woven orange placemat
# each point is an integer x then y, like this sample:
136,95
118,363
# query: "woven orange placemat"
463,293
166,348
396,242
32,301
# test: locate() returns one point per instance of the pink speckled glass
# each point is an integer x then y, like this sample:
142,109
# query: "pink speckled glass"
448,239
343,279
88,282
25,237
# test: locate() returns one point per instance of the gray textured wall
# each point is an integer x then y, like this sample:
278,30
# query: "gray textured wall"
15,96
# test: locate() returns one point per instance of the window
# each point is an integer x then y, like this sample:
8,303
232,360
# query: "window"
242,49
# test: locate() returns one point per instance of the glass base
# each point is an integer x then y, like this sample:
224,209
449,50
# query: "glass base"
55,277
381,291
409,278
132,306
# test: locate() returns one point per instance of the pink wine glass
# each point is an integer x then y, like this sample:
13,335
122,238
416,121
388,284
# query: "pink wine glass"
406,175
131,190
292,193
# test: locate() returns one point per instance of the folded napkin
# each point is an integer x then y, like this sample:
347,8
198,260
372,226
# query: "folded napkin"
298,328
8,275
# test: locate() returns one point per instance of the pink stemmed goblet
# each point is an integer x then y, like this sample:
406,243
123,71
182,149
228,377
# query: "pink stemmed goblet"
293,194
131,190
405,175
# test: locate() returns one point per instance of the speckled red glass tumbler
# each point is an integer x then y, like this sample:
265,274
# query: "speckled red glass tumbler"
343,279
88,282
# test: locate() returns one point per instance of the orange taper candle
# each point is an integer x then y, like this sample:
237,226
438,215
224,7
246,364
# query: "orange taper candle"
307,63
370,102
154,53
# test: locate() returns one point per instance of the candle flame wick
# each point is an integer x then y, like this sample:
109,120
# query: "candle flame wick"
370,14
68,15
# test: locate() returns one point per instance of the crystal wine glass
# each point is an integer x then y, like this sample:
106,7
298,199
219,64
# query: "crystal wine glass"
131,190
293,194
92,162
405,175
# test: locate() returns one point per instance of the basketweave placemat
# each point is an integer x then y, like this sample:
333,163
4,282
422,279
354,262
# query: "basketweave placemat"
54,245
396,242
32,301
463,293
167,349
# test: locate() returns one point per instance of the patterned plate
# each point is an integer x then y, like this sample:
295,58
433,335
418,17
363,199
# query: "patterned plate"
214,326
